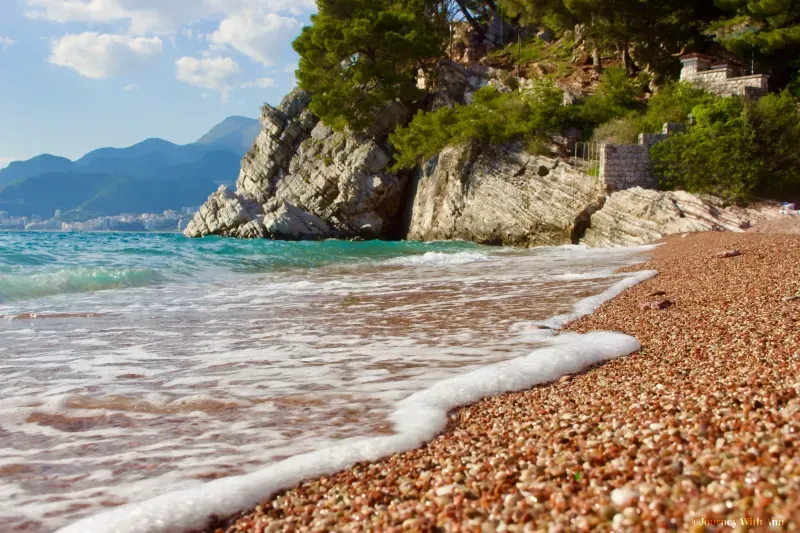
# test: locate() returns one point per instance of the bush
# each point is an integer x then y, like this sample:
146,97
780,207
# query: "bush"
624,130
493,118
737,150
617,96
672,103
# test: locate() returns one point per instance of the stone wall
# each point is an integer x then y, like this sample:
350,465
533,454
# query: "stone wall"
721,82
624,166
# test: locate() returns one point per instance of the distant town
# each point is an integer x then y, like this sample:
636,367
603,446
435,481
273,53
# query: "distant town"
168,221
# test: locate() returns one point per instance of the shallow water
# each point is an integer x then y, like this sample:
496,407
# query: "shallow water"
132,365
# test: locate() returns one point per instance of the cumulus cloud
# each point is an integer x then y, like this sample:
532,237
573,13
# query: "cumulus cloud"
260,35
100,55
207,73
216,73
131,87
155,16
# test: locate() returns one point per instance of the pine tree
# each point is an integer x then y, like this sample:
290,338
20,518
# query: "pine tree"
359,54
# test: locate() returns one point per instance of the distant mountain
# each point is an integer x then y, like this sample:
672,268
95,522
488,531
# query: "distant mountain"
41,164
137,179
99,195
233,133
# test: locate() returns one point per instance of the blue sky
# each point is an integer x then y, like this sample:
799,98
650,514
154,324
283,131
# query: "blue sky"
76,75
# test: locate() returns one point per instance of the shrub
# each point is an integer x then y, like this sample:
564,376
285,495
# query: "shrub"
624,130
493,118
737,150
672,103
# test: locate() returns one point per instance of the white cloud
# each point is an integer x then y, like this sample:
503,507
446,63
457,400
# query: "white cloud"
291,67
155,16
4,161
131,87
100,55
260,35
207,73
6,42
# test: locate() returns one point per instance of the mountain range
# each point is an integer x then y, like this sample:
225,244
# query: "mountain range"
148,177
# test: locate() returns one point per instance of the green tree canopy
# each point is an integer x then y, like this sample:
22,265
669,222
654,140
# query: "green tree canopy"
360,54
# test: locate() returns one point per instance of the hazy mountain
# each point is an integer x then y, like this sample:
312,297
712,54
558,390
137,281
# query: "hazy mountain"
99,195
233,133
140,178
19,170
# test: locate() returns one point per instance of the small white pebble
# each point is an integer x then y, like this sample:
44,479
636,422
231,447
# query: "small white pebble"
624,497
447,490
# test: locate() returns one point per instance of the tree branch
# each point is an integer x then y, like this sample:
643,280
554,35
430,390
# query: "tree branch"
474,23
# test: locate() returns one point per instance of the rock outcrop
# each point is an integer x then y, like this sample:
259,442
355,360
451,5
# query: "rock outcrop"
302,180
501,196
640,216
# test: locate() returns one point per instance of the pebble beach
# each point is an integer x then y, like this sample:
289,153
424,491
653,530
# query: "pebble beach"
698,431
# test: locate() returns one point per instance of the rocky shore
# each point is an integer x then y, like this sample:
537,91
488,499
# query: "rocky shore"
302,180
701,425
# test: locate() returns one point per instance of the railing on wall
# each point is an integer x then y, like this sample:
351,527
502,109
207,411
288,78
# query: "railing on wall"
587,158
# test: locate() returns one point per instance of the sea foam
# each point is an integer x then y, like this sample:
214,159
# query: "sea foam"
417,419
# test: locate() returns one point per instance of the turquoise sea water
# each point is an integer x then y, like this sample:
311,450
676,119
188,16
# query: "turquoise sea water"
36,264
132,365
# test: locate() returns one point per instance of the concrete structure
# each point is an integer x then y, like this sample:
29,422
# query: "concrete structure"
624,166
722,78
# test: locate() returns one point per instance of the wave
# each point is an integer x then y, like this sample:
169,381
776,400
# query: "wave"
73,280
438,259
417,419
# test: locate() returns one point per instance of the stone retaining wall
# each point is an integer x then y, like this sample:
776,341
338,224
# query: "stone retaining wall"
624,166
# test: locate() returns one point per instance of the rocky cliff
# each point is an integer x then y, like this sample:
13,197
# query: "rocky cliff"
640,216
501,196
302,180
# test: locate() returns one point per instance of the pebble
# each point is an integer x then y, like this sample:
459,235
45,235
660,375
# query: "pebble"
624,497
719,370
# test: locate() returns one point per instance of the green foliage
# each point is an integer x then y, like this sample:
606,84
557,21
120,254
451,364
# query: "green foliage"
737,150
623,130
616,96
769,25
360,54
493,118
672,103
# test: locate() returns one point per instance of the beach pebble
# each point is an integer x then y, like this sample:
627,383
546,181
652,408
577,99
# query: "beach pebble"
657,293
565,379
729,253
624,497
655,305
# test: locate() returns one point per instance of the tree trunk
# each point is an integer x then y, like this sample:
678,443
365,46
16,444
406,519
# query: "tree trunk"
474,23
626,58
596,60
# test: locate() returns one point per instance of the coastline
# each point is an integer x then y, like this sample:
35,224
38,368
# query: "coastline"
698,426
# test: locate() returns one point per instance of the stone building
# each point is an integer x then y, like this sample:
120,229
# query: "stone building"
723,78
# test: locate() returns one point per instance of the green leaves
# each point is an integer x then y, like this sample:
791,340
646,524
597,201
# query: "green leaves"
737,150
360,54
492,118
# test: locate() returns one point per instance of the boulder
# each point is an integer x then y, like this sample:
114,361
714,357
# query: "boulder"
640,216
223,213
501,196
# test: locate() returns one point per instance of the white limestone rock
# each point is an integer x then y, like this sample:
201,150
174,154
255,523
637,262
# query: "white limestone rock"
303,180
640,216
501,196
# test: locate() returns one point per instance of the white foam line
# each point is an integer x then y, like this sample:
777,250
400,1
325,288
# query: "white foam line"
418,419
